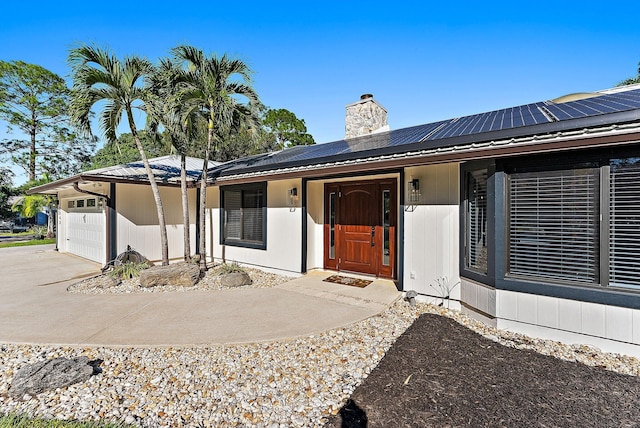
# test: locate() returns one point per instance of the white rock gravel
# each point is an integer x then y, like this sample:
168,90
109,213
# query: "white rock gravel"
296,383
211,281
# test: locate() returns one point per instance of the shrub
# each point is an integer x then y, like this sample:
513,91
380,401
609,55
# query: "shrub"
128,270
225,268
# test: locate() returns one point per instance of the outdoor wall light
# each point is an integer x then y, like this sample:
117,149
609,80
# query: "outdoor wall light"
293,195
100,202
413,190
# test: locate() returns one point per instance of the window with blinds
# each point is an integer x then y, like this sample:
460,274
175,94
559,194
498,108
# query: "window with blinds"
476,217
624,223
244,215
554,225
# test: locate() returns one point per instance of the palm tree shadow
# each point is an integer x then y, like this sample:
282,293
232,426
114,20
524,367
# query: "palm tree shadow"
353,416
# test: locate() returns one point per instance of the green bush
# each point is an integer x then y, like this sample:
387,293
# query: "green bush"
128,270
225,268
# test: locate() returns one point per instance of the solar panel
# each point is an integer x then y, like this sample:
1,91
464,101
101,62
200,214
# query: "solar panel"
497,120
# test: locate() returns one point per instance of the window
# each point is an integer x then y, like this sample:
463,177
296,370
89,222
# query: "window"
80,203
71,204
624,223
554,225
91,202
476,221
244,215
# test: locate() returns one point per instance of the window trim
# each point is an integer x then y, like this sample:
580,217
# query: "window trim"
239,242
603,293
466,168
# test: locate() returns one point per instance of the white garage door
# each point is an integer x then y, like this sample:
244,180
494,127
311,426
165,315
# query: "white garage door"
86,235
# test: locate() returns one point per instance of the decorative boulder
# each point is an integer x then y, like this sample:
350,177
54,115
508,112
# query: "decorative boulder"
235,279
107,281
178,274
52,374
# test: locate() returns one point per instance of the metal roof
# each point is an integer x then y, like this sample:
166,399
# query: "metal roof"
614,106
166,170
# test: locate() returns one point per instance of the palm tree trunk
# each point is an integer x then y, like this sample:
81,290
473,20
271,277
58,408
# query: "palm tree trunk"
164,242
185,207
203,201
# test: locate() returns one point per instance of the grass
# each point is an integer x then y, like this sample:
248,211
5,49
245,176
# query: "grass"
25,233
27,243
23,421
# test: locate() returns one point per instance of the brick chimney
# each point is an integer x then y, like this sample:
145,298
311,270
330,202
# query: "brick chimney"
365,117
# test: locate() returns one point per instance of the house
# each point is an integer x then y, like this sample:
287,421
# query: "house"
525,217
102,211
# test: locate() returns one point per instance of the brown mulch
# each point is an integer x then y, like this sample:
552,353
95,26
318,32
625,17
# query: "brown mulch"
441,374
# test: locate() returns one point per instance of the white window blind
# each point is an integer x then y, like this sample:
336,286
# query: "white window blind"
252,215
233,214
554,225
244,214
624,226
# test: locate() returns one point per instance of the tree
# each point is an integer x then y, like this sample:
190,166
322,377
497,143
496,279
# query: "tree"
34,101
165,109
100,77
6,191
287,128
215,88
631,80
30,205
124,150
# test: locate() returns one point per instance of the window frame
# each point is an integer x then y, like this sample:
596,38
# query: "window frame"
488,277
602,293
241,188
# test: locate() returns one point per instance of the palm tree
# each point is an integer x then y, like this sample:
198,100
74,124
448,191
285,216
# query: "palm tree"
214,87
100,77
30,205
164,109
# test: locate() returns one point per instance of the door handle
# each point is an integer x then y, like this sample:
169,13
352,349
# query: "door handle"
373,235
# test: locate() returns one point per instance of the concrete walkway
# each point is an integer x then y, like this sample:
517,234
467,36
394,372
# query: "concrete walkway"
35,307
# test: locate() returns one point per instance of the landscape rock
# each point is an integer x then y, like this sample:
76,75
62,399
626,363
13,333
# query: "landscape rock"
178,274
107,281
235,279
51,374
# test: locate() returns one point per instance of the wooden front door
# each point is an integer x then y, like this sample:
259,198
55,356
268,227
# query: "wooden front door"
360,227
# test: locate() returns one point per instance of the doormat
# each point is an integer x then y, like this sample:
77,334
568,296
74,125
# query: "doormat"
344,280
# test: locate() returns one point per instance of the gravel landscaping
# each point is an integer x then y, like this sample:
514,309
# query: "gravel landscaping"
211,281
305,382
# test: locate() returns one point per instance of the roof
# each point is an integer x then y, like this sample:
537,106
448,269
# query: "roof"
603,108
166,170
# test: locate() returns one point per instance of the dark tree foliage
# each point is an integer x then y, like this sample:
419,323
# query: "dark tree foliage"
287,128
631,80
125,151
6,191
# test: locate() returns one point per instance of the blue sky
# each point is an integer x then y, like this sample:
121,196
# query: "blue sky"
423,62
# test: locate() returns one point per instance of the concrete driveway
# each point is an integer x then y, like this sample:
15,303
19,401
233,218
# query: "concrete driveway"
35,307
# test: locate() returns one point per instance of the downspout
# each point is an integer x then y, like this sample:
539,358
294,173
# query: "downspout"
303,191
108,220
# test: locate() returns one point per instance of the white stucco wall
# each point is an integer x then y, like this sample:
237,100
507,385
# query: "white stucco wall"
284,231
315,225
431,231
137,223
